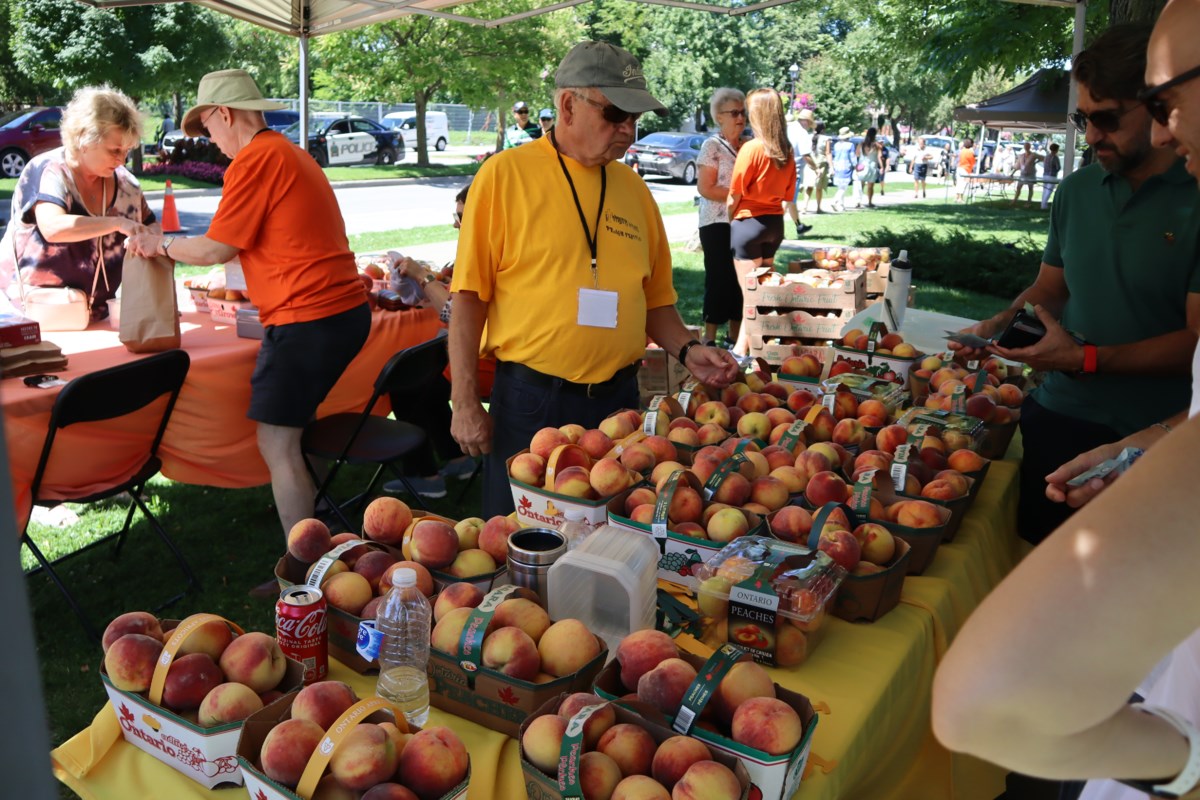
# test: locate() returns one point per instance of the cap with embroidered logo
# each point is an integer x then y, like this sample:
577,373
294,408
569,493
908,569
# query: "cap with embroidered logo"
613,71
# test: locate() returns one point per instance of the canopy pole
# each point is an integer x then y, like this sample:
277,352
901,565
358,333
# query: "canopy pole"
304,88
1073,93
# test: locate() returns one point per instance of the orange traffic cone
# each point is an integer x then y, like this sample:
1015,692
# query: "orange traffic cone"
170,217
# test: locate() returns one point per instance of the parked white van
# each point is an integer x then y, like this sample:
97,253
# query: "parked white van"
437,127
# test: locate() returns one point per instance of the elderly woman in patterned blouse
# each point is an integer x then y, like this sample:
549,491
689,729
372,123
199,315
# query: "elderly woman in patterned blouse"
74,206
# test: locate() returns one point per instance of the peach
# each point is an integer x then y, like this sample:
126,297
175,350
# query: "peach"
640,787
664,686
674,756
693,529
1011,395
468,532
573,432
965,460
638,457
705,464
905,350
642,651
686,505
448,630
287,749
371,609
528,468
456,595
711,433
350,556
872,408
398,739
228,702
210,638
609,476
270,696
595,443
876,542
662,471
685,422
130,661
826,487
872,459
845,406
366,756
598,776
255,660
511,651
754,403
780,416
662,447
596,724
493,539
712,412
744,681
791,646
574,482
849,432
308,540
800,399
329,789
323,702
707,780
472,563
891,437
755,465
524,614
544,442
689,437
754,425
372,565
566,647
841,546
821,428
382,791
643,514
386,519
941,490
617,427
132,622
189,680
767,724
956,479
631,746
640,496
918,514
334,569
769,492
792,523
424,579
542,742
433,762
434,543
734,490
727,524
348,591
790,477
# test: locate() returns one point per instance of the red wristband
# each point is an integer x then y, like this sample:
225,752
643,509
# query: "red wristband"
1090,359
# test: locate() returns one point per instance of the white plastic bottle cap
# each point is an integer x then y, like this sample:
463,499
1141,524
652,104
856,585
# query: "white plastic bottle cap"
404,577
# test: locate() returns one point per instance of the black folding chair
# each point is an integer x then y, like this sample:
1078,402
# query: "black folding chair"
363,438
104,395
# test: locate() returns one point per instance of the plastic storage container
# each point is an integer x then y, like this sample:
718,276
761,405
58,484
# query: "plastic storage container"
768,597
609,582
403,621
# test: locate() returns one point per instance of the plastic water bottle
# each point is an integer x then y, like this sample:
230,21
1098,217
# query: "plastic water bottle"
574,528
403,621
895,296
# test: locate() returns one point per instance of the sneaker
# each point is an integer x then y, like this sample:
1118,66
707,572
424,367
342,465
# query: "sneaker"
802,229
460,468
433,488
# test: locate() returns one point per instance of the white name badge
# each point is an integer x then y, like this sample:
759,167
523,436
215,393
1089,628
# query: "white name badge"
597,308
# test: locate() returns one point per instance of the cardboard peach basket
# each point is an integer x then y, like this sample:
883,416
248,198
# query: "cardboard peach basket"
206,755
256,728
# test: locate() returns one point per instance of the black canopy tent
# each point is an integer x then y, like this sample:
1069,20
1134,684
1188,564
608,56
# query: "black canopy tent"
1038,104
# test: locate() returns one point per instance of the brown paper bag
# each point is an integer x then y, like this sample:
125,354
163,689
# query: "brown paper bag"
149,309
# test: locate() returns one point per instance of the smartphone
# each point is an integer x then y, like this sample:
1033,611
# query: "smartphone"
1023,330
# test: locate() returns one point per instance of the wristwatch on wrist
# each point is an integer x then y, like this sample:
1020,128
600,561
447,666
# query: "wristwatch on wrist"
429,278
683,351
165,244
1189,776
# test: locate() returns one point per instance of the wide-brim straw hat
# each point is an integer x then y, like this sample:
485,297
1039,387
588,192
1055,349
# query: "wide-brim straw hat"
844,132
233,88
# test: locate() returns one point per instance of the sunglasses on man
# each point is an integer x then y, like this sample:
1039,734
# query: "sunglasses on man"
522,111
1159,109
1106,120
610,113
204,123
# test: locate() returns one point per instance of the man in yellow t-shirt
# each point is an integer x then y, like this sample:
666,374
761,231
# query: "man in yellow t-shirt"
564,256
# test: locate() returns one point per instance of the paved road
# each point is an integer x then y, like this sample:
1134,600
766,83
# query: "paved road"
410,204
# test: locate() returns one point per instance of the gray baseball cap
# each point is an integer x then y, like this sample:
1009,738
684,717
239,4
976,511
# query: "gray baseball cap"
612,70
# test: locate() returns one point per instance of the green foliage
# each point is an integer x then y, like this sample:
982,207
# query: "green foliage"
837,90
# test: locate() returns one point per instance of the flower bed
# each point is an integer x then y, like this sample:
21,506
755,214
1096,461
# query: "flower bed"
210,173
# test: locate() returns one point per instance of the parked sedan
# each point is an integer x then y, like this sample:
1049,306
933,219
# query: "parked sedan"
349,140
673,154
24,134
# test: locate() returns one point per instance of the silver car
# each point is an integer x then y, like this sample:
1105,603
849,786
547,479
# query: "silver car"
671,153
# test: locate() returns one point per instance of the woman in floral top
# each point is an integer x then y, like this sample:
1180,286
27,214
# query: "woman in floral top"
722,295
74,206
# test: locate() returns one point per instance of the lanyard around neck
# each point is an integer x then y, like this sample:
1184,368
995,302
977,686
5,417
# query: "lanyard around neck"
591,237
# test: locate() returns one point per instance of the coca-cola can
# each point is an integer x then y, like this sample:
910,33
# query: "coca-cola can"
301,630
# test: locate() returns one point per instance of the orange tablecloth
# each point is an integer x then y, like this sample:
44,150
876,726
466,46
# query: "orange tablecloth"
209,440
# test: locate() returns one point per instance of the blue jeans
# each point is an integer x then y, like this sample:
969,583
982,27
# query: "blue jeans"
520,409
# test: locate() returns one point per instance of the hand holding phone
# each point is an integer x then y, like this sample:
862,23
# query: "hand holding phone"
1024,330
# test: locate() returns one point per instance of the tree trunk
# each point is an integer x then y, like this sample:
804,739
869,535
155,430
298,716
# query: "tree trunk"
421,100
500,120
1134,10
177,105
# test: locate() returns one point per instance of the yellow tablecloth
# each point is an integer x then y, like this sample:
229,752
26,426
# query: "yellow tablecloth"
871,683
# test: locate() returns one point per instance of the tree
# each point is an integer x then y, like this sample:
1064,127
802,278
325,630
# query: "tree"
837,91
1134,10
420,57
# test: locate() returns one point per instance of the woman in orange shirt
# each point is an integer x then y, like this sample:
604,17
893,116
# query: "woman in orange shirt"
966,168
764,178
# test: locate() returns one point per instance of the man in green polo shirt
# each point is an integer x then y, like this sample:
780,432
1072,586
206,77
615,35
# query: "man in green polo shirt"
1119,285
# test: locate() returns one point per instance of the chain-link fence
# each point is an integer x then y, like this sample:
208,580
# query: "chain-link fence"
473,125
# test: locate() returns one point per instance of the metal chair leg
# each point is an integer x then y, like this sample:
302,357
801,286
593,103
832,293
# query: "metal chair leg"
470,482
128,523
62,587
193,581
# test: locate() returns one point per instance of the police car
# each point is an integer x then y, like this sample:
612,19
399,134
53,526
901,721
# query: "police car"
341,139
